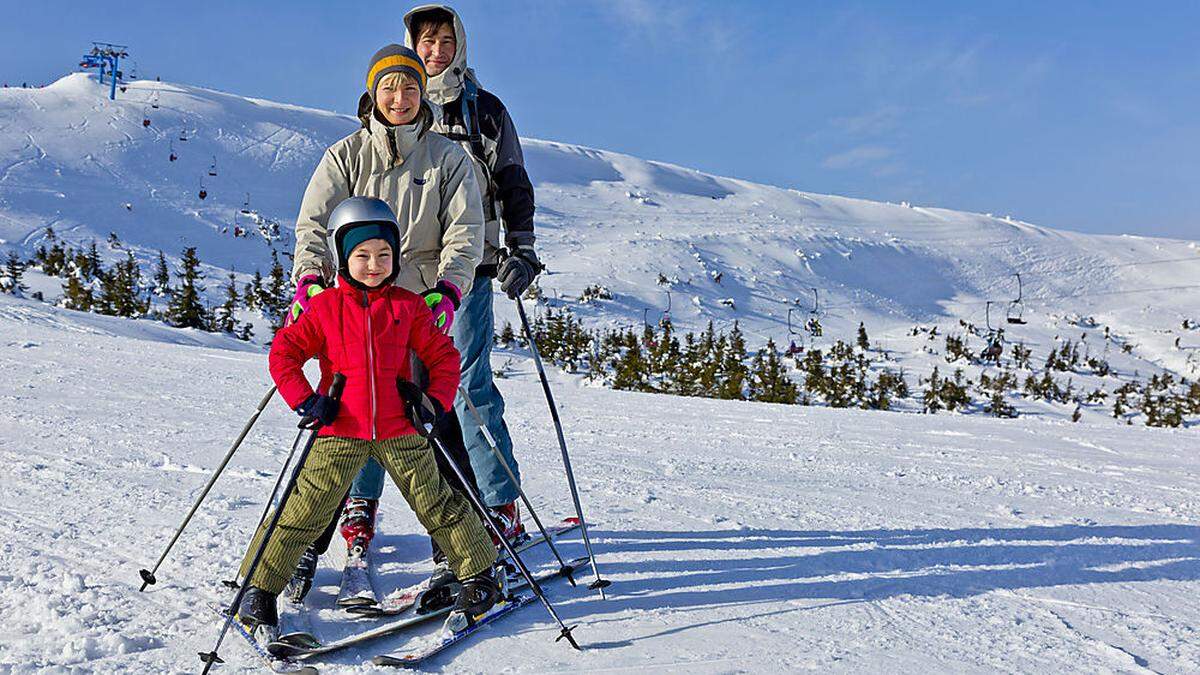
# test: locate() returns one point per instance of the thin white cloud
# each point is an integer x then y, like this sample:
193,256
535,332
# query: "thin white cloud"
856,157
871,123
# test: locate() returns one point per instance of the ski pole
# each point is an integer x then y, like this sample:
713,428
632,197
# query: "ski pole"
272,502
148,578
429,433
563,567
211,657
599,584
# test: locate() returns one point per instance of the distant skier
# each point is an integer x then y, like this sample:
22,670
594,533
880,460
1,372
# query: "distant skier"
430,183
365,328
478,120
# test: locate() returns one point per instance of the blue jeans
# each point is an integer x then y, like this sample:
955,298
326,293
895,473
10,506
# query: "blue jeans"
472,331
474,326
369,482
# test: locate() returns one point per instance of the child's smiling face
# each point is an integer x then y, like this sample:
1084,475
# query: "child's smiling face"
370,262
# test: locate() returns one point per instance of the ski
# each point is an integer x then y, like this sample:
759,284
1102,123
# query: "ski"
289,650
275,663
295,624
401,600
428,649
358,588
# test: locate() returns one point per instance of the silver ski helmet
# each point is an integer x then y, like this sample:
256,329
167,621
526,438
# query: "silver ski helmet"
356,220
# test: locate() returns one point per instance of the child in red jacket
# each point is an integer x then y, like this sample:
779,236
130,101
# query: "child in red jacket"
365,328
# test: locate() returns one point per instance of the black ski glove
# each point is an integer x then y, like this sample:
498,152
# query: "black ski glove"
423,410
518,271
318,410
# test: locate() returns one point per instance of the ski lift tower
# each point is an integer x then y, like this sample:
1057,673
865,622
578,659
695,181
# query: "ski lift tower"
106,55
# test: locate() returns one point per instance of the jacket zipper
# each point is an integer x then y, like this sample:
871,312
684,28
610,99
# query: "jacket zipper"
370,360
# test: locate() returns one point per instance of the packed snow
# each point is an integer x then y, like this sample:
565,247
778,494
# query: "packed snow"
740,537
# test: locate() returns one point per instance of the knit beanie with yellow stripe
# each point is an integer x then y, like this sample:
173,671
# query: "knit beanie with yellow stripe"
395,58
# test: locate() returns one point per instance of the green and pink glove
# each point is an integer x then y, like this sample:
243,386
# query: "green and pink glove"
308,286
443,301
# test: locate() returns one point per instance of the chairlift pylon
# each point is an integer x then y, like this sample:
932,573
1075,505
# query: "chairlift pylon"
1016,308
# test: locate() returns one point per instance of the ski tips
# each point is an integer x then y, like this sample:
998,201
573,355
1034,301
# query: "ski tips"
148,579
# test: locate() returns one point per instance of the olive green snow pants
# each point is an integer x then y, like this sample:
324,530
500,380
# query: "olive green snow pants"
331,467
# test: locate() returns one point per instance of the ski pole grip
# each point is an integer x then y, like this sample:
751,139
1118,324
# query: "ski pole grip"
335,389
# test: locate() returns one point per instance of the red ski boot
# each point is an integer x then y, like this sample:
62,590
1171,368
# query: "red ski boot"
508,518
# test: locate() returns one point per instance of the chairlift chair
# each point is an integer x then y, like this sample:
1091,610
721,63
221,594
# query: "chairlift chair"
666,315
995,346
203,192
1016,308
793,348
212,169
246,206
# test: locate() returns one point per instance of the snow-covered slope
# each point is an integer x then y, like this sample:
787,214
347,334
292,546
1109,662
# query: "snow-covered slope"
741,537
74,160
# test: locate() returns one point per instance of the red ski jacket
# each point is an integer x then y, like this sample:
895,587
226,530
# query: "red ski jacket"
367,336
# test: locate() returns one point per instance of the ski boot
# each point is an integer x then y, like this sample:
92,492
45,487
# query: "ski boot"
302,578
507,518
358,521
442,587
258,609
478,595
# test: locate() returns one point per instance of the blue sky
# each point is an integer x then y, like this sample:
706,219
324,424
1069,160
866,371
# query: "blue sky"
1077,115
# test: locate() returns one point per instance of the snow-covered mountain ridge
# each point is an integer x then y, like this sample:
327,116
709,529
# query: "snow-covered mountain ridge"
728,249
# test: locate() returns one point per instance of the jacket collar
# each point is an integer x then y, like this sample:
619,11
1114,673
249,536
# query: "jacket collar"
394,143
354,289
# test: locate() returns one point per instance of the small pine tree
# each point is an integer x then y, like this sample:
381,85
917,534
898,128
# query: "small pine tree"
888,387
932,397
954,394
507,336
956,348
769,379
120,290
631,370
1021,355
185,309
77,295
864,343
162,277
224,318
10,279
278,293
733,372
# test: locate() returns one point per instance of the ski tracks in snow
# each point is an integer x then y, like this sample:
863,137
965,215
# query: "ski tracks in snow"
739,537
